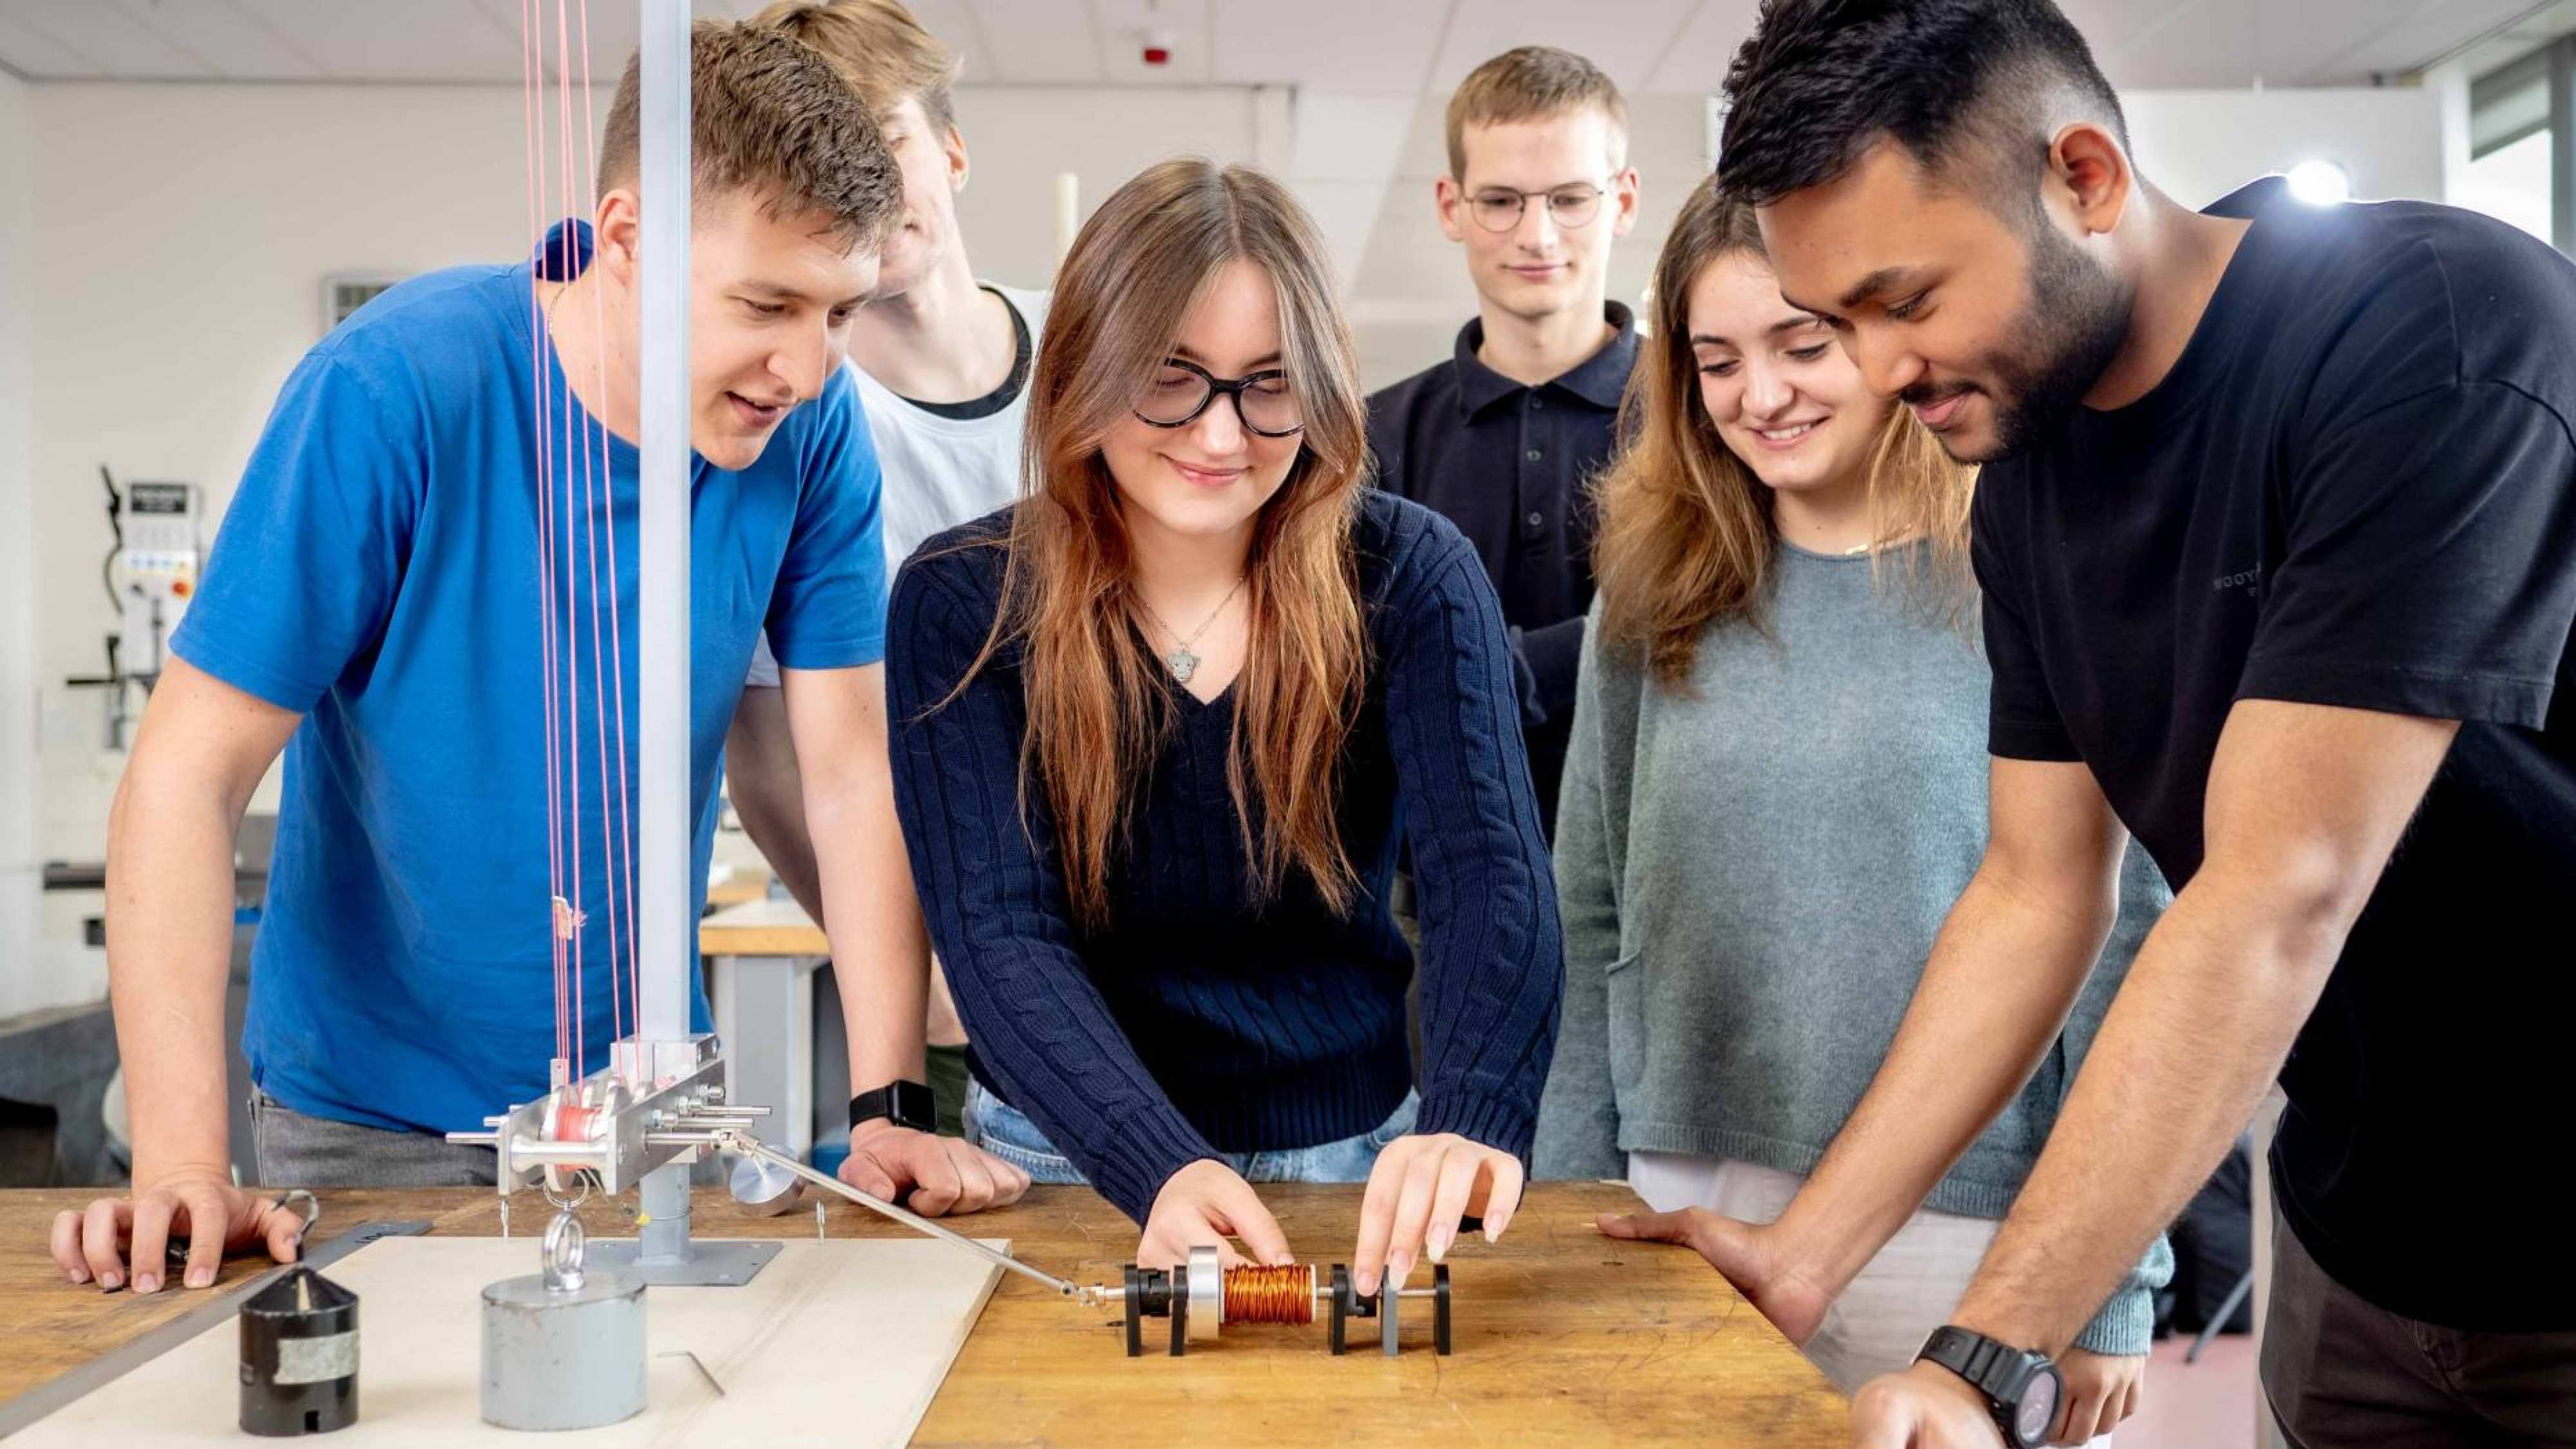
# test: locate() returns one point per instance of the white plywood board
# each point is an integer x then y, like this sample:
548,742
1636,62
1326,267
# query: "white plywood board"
835,1343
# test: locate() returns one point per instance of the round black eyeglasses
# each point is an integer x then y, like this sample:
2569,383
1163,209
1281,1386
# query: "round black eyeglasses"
1180,391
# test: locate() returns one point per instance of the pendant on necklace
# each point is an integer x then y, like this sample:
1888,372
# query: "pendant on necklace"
1182,663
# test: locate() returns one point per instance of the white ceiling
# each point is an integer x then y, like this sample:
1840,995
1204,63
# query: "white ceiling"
1399,46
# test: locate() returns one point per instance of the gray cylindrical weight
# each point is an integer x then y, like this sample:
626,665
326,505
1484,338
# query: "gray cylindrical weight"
563,1359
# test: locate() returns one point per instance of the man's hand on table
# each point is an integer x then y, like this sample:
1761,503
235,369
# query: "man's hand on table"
203,1208
945,1175
1752,1256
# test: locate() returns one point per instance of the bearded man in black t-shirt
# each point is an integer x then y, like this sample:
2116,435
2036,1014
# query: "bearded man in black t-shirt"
2278,545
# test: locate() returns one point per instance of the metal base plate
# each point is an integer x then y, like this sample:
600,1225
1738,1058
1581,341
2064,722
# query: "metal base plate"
722,1263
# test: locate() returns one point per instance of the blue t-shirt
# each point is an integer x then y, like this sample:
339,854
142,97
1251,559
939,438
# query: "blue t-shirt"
378,573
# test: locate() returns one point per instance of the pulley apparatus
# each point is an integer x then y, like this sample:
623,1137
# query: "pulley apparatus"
564,1348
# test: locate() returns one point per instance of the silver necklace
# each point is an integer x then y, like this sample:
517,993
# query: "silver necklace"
1181,661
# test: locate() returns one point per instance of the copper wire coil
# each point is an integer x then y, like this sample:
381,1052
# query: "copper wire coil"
1259,1294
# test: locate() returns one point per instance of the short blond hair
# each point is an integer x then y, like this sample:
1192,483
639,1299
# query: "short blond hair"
1532,83
879,48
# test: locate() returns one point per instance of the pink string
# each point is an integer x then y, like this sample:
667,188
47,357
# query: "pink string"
572,716
616,642
531,67
560,617
590,536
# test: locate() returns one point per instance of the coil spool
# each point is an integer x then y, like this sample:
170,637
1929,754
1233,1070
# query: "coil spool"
1200,1297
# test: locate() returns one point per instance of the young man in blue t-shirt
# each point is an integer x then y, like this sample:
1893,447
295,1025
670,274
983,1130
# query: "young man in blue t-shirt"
373,607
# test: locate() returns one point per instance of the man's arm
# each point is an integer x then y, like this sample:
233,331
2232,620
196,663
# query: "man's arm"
202,749
2305,804
768,792
880,949
2007,966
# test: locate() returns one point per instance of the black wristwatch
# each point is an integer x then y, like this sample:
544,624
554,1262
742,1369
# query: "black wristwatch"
2022,1388
905,1104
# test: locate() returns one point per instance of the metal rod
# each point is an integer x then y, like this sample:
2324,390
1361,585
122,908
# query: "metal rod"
737,1141
664,909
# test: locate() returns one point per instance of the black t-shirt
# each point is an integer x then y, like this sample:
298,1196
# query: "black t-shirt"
2357,487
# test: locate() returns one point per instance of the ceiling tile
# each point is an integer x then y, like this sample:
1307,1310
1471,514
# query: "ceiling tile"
1311,42
109,37
228,40
2435,29
1183,26
1039,41
391,40
1625,40
1696,62
31,52
958,28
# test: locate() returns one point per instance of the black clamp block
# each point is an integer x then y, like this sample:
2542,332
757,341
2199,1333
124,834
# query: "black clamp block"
1341,1308
1440,1309
1134,1299
1180,1307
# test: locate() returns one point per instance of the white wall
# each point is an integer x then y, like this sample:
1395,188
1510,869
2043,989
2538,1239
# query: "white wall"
2200,145
23,986
1019,138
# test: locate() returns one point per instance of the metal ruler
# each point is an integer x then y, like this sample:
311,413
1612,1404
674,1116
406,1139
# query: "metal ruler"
135,1352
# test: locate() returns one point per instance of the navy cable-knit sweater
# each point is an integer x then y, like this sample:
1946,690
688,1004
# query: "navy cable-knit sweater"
1201,1019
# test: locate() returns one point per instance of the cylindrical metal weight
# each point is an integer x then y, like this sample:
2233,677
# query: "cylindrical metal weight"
556,1358
299,1357
1207,1294
763,1188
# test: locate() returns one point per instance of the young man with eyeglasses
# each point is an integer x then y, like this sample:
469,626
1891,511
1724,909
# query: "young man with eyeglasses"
1503,436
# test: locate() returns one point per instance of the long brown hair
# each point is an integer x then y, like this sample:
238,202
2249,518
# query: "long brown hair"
1097,700
1686,536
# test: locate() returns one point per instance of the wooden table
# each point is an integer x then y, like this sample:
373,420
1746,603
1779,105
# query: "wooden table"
1563,1336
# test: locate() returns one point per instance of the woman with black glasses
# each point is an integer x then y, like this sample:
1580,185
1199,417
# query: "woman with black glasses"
1159,731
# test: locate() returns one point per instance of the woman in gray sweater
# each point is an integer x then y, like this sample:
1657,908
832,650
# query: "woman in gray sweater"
1776,790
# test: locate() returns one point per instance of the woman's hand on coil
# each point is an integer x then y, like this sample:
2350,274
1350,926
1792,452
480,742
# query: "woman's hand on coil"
1207,1204
1417,1193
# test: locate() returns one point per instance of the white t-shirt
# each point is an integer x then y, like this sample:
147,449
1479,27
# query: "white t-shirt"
939,471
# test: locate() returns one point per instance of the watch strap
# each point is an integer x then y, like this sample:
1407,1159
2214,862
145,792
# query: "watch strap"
905,1104
1993,1368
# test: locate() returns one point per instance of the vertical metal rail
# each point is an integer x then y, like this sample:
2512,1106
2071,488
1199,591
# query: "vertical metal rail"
665,924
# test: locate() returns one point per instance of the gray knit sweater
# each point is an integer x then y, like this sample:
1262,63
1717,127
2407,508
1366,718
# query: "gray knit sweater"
1751,874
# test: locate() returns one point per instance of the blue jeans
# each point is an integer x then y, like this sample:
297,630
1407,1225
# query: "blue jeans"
1006,1132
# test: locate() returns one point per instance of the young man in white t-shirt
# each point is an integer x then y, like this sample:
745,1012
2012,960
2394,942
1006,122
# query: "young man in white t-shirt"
942,364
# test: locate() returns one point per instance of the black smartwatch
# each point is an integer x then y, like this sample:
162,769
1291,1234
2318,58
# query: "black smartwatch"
2022,1388
905,1104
